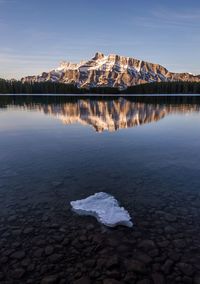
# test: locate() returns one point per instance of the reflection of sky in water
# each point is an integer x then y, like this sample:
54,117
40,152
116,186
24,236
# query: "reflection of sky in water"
101,115
41,149
21,120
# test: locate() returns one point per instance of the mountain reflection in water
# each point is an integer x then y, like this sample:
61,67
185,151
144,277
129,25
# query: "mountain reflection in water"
102,113
152,171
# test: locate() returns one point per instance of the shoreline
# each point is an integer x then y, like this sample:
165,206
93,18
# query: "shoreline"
100,95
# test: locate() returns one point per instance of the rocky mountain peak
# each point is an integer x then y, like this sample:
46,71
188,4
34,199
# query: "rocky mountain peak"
110,71
98,55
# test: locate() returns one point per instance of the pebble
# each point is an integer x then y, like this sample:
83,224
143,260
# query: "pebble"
143,257
111,281
197,279
18,273
158,278
136,266
49,250
29,230
144,281
170,218
147,245
179,244
167,266
83,280
55,258
186,268
18,255
51,279
112,262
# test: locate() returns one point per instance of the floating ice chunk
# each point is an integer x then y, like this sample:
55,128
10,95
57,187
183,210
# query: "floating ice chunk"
104,208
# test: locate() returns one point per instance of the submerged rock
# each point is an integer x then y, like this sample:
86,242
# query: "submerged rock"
105,208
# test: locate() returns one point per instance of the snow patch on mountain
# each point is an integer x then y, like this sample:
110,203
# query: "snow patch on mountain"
110,71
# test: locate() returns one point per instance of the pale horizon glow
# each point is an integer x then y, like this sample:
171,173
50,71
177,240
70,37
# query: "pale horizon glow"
37,35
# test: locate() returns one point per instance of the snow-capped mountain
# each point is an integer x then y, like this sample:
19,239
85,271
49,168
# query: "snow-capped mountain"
110,71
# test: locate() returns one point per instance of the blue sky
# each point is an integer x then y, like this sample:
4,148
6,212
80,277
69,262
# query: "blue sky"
37,34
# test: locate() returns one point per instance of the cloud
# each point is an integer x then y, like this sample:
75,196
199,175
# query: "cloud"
163,18
18,65
9,57
169,15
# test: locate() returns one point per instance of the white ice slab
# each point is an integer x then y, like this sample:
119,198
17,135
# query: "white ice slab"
104,208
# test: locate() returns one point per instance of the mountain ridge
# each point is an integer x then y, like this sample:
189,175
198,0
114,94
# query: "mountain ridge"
110,71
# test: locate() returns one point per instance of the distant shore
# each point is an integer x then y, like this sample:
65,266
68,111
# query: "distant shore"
180,88
103,95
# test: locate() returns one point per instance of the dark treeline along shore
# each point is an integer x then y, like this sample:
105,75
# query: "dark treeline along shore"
60,100
17,87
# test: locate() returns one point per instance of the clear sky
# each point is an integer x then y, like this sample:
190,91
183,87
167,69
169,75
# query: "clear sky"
35,35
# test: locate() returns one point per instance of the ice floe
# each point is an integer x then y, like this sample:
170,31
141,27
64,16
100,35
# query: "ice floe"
105,208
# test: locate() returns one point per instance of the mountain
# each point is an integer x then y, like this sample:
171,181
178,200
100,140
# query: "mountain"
110,71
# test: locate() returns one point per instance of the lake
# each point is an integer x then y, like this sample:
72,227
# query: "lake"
145,151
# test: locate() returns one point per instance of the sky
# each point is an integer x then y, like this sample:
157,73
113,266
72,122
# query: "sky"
35,35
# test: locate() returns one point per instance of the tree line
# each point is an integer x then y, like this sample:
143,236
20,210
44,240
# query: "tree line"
17,87
177,87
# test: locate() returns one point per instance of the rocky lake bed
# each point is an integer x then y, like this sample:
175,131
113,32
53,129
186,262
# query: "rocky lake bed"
45,242
58,150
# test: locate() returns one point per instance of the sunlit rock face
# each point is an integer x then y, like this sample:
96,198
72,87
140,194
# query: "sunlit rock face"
110,71
110,115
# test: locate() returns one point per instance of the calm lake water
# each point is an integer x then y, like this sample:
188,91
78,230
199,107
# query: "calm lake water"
144,151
